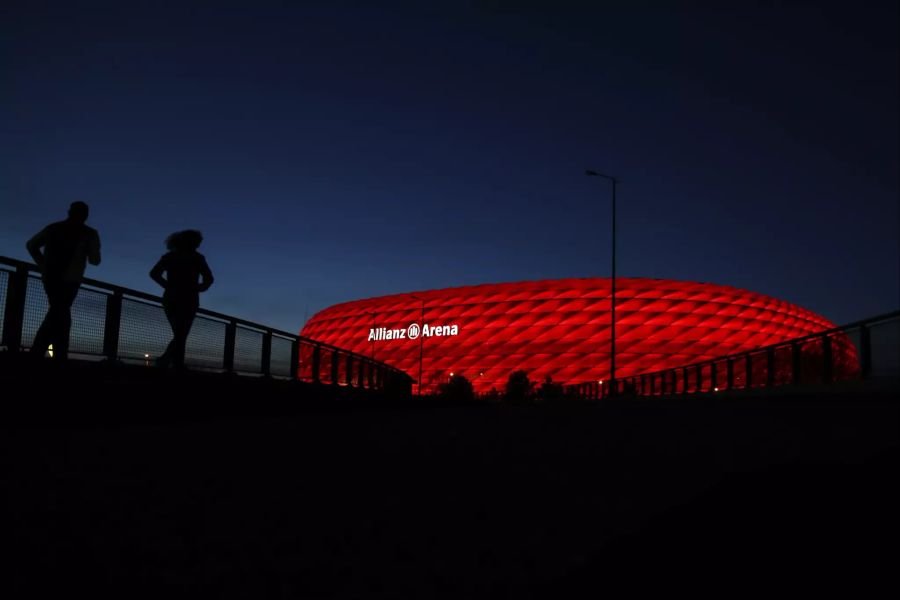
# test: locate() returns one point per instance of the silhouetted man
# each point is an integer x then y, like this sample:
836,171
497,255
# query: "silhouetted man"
68,245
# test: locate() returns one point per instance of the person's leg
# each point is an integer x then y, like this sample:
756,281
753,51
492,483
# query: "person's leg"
165,359
64,299
185,321
182,321
43,337
58,320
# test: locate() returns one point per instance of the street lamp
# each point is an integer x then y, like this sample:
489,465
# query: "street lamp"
421,342
612,358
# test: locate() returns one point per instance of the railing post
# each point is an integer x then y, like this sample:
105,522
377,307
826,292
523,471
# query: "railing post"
795,363
729,373
111,326
359,373
652,385
14,317
770,367
295,358
865,352
266,361
349,370
699,375
316,364
335,359
230,335
684,376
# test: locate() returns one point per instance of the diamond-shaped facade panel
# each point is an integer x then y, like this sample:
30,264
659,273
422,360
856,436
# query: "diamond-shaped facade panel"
560,328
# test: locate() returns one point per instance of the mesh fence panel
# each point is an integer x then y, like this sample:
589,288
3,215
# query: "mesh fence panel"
144,331
325,366
844,345
885,340
690,380
784,367
721,381
759,366
280,361
740,373
35,308
705,383
812,361
305,369
206,344
88,322
342,369
248,350
88,318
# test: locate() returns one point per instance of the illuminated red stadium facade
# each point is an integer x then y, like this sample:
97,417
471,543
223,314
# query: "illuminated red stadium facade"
559,328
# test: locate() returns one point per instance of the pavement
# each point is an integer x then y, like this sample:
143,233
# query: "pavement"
119,483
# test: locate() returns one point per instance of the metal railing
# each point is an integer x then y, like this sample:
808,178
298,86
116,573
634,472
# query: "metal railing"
120,324
865,350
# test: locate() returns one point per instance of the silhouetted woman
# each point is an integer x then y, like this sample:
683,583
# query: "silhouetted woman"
186,275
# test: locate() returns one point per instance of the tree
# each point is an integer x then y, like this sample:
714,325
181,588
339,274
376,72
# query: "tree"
458,389
519,388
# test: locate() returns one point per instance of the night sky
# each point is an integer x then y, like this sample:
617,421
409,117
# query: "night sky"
337,151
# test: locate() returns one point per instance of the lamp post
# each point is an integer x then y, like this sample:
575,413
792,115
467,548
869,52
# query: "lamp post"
612,357
374,325
421,342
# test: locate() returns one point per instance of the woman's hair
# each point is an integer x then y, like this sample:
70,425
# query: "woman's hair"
189,239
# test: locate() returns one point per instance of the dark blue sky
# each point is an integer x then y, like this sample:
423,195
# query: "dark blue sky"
344,150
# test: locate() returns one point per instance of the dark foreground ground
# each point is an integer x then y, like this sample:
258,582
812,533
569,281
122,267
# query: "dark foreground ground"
166,487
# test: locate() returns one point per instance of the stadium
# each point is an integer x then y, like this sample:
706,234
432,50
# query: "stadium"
560,328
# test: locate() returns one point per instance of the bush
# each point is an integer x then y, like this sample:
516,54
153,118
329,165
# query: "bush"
519,390
458,389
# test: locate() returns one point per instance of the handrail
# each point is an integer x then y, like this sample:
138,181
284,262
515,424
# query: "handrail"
860,368
379,374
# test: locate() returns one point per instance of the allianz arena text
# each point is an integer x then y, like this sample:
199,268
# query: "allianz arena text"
560,328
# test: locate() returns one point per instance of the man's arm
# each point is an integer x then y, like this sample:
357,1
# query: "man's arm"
34,246
93,249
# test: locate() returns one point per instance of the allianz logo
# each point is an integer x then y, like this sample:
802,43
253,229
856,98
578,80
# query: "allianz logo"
377,334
